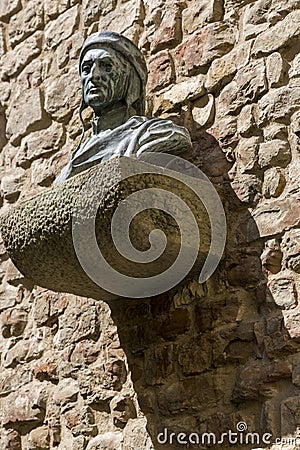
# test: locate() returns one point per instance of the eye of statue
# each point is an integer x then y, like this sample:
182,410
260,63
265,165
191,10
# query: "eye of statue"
108,67
86,67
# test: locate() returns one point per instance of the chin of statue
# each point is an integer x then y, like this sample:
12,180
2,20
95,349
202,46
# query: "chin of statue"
96,101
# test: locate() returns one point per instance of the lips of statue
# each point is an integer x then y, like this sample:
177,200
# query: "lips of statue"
103,78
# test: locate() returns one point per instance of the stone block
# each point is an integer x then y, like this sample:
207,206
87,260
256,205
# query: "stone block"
79,321
39,231
68,50
159,364
197,51
295,128
93,10
275,216
255,380
8,8
85,353
203,111
26,22
122,409
296,375
275,131
195,356
2,41
45,370
248,84
290,416
245,272
283,291
134,13
274,153
246,154
12,275
33,75
294,71
43,171
48,306
169,33
13,322
61,28
293,176
137,435
278,36
255,19
8,297
292,322
280,9
274,182
188,395
271,257
5,91
258,12
25,405
246,123
98,383
247,187
179,94
76,443
81,421
25,115
12,440
23,351
66,391
39,438
63,95
40,144
224,68
106,441
14,61
55,7
278,105
225,132
11,185
291,250
176,323
197,14
275,70
161,71
12,380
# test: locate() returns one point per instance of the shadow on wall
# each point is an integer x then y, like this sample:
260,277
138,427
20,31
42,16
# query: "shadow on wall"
211,358
3,140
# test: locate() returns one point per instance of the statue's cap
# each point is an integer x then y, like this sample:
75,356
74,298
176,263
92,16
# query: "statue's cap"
119,43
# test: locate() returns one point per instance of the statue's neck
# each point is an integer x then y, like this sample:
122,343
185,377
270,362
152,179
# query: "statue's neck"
111,118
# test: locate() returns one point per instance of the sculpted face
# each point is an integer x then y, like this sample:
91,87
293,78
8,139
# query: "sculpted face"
103,74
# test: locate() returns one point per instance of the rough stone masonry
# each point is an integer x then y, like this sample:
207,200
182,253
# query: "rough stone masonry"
77,374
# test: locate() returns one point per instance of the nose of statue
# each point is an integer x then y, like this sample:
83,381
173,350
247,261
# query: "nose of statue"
95,72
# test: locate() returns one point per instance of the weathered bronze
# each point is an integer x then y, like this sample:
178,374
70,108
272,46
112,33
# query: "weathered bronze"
113,73
76,236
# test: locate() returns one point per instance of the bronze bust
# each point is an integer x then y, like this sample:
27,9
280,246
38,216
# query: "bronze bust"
113,73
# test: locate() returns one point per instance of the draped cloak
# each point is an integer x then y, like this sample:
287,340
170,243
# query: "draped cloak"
138,135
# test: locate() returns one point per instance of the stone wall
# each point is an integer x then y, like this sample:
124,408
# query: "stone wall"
76,375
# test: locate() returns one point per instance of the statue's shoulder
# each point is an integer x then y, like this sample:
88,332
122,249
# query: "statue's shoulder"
156,135
155,123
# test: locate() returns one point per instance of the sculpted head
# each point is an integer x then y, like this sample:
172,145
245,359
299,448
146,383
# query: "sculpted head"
112,71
